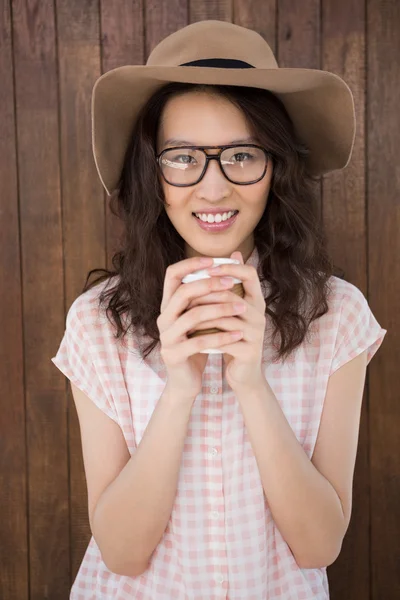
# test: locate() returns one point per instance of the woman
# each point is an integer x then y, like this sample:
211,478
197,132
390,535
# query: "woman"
217,475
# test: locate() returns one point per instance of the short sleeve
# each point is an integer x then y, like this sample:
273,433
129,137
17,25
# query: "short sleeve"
358,330
75,360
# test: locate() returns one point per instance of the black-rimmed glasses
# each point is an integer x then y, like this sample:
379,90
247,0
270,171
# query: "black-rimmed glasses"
241,164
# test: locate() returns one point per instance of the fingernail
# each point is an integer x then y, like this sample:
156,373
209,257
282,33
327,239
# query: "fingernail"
206,260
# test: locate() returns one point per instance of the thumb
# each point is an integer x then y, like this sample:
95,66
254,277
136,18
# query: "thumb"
238,256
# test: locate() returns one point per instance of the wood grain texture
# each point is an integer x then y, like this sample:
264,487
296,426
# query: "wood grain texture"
201,10
56,225
122,33
299,35
344,209
299,45
383,183
122,43
161,19
258,15
41,266
82,205
14,549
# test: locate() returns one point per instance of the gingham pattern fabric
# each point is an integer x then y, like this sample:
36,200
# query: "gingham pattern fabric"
221,542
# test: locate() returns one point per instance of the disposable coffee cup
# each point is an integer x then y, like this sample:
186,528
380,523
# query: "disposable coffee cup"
237,289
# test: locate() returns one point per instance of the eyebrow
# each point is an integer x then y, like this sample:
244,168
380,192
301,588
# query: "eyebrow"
178,142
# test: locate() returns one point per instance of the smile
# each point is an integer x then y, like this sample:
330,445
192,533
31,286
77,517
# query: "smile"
216,227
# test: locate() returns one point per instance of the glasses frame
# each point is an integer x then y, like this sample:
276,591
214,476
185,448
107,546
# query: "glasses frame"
216,157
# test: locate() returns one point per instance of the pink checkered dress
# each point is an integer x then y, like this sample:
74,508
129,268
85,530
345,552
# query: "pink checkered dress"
221,542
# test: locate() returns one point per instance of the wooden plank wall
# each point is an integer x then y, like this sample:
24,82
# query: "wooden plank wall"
55,225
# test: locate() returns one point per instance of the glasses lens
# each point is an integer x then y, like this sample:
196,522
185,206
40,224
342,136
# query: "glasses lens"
243,164
182,166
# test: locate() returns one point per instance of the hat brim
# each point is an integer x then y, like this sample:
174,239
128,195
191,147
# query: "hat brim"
319,103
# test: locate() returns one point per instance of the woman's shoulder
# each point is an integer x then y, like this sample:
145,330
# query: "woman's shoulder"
348,308
87,310
344,301
343,291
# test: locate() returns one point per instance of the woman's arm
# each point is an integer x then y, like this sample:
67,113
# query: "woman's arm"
131,498
310,500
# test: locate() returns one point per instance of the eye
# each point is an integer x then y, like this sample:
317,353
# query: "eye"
242,156
238,158
184,158
179,161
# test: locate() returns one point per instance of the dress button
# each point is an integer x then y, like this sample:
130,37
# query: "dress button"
214,451
214,389
219,579
215,514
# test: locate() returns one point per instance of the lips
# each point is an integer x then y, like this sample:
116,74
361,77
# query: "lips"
214,211
214,214
216,227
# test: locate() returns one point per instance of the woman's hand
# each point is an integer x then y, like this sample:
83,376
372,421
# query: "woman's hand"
243,359
182,356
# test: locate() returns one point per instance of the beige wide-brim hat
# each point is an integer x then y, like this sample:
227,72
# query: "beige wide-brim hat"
319,103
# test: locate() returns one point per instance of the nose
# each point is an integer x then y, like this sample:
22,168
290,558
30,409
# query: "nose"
214,184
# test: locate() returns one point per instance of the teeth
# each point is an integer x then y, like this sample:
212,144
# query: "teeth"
215,218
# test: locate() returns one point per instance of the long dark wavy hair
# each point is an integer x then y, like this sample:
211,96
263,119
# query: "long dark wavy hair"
289,237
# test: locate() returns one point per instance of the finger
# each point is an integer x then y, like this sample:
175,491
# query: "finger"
224,323
250,320
213,298
177,271
249,277
193,319
225,340
254,318
237,255
178,304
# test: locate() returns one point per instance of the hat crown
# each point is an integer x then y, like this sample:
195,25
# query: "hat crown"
213,39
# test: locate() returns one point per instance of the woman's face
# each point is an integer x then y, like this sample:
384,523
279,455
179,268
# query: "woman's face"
202,119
